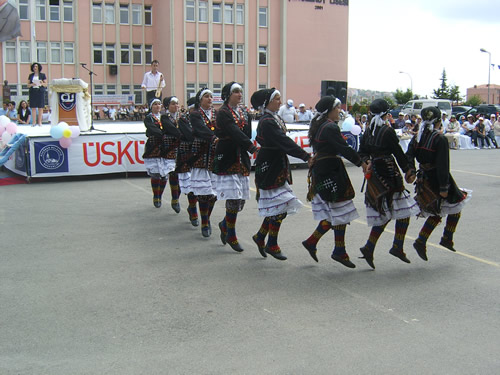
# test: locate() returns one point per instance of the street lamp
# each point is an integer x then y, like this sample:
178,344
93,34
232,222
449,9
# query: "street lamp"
411,81
489,70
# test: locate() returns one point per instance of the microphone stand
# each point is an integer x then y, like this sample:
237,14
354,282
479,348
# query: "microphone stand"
91,73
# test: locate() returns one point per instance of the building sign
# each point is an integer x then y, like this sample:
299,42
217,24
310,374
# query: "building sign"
319,3
113,99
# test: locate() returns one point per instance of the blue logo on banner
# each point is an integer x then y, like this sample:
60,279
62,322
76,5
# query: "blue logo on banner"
50,157
352,140
67,101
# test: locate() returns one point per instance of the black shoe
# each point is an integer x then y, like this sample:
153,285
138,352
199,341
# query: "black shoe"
343,259
367,255
236,247
275,254
262,250
421,249
223,234
205,231
157,204
176,207
399,253
209,229
312,250
447,243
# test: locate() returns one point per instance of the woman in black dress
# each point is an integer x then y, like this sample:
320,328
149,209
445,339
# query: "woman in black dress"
272,171
330,189
437,193
23,113
37,83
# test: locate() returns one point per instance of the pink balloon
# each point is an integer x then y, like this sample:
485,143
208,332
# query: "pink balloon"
356,130
75,131
11,128
2,129
65,142
6,137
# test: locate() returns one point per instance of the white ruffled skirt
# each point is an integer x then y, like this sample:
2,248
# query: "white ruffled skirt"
448,208
203,182
185,182
403,206
232,186
336,213
159,166
277,201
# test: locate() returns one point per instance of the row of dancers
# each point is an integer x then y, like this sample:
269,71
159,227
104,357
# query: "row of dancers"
206,155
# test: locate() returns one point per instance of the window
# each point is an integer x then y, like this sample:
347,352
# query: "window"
137,54
240,14
203,11
216,13
68,11
40,10
98,89
148,15
13,90
217,53
111,90
136,14
97,48
25,90
190,90
263,17
125,89
228,53
109,13
262,55
202,85
228,13
124,14
202,52
10,52
97,12
148,51
24,10
190,10
55,52
41,52
217,89
262,86
138,94
190,52
240,54
125,54
69,53
54,10
110,53
25,49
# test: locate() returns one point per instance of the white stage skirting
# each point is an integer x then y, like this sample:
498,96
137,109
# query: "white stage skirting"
465,143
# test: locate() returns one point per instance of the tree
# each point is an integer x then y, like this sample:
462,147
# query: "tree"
474,100
403,97
355,108
455,94
390,100
443,92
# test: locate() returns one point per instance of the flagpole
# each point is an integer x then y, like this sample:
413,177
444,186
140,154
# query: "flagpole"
489,71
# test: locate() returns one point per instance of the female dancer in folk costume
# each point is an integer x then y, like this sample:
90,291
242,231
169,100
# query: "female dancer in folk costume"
202,177
184,161
272,171
386,197
155,161
330,188
437,193
172,139
232,162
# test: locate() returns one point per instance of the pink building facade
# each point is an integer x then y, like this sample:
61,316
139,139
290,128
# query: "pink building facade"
292,45
482,92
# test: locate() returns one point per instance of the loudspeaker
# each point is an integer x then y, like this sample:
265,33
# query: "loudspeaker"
335,88
113,70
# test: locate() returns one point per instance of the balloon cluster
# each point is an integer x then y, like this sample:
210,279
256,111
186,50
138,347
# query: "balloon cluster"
7,129
349,126
64,133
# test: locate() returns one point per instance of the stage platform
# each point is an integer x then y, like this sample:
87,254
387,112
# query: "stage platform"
112,147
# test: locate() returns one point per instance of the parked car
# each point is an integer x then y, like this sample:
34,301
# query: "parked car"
459,110
414,107
484,109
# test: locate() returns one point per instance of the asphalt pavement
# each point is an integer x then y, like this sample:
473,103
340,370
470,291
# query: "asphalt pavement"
95,280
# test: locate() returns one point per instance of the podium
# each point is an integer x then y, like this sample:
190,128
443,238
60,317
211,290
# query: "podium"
70,102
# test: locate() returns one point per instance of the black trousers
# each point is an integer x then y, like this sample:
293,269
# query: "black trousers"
150,95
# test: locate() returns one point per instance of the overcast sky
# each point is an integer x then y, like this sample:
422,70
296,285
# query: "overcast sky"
421,38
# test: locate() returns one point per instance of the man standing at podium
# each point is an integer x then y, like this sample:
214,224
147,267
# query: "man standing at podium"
153,82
